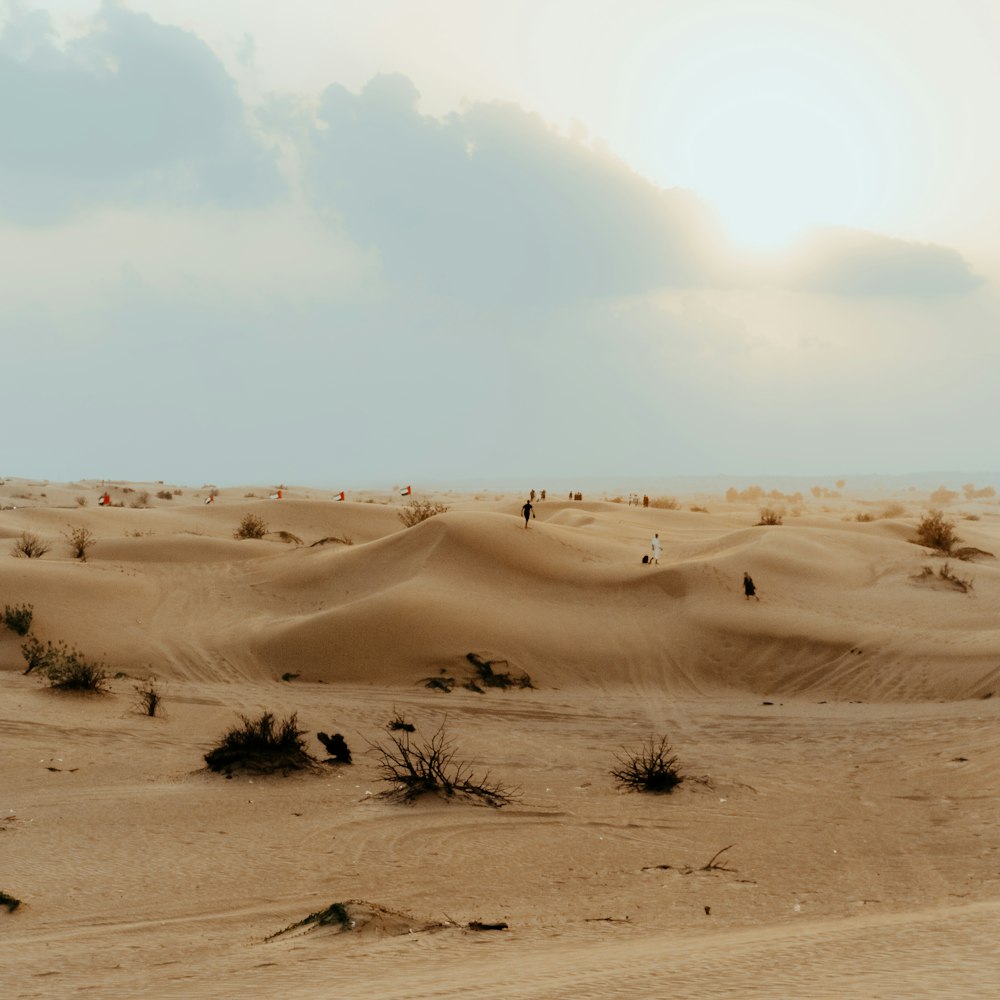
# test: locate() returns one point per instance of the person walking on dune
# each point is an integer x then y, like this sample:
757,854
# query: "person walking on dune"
528,511
748,587
657,548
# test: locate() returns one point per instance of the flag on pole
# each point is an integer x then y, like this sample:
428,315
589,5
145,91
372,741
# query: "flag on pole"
340,495
407,491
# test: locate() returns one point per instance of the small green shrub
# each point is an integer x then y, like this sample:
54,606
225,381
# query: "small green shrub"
29,546
936,533
251,526
420,510
18,617
262,745
650,768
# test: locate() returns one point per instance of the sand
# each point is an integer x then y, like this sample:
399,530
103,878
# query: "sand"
838,739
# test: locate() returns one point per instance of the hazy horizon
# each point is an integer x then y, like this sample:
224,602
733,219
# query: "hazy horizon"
374,242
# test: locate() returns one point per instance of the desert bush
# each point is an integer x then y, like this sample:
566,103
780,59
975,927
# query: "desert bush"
770,516
65,667
864,516
11,902
81,501
488,677
80,539
287,536
428,767
141,500
262,745
936,533
650,768
891,510
665,503
164,495
699,510
420,510
945,574
334,539
29,546
148,699
18,617
251,526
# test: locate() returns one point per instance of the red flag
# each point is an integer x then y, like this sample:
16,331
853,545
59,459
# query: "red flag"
407,491
340,495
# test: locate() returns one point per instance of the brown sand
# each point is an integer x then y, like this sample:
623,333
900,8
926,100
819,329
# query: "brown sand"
840,735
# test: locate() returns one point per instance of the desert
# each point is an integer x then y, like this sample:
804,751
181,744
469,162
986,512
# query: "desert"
834,832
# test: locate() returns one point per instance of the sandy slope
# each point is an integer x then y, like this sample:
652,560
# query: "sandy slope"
861,805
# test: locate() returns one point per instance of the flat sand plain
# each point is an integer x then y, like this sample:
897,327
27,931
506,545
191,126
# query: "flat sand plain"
839,739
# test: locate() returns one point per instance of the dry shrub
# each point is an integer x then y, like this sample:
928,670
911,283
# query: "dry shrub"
892,510
650,768
936,533
66,668
262,745
251,526
665,503
81,501
29,546
945,574
770,516
428,767
18,617
80,539
148,700
420,510
11,902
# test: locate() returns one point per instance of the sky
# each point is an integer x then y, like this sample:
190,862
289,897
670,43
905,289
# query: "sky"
350,243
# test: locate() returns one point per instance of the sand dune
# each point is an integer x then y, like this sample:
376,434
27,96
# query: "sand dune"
841,729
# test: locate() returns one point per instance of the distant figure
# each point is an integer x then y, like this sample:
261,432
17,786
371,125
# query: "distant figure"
105,501
210,498
748,587
645,501
528,511
657,548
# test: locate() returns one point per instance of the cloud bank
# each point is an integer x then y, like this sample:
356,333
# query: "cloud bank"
337,288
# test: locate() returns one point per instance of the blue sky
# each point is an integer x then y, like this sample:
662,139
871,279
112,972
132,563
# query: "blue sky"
362,243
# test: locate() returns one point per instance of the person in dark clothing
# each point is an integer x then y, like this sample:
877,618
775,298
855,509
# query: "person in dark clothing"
528,511
749,588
